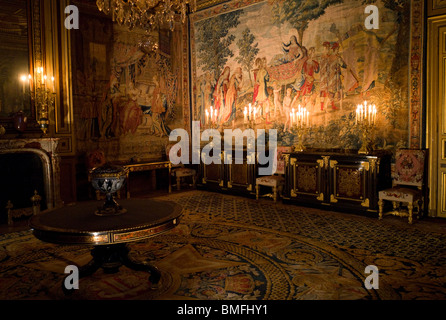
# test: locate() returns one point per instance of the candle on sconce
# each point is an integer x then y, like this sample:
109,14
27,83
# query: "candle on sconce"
215,112
207,117
45,82
23,79
30,81
40,74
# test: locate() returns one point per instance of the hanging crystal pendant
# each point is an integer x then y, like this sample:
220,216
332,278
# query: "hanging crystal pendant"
150,15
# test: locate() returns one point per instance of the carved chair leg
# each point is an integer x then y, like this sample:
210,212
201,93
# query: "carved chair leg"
381,207
257,191
275,193
420,206
396,205
410,208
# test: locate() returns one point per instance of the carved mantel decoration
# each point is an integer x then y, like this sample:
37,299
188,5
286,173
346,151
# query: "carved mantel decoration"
46,150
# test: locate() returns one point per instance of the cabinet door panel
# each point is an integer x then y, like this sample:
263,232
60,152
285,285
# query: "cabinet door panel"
238,174
212,173
307,179
349,182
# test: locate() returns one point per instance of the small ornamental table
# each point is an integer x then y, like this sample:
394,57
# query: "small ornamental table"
78,224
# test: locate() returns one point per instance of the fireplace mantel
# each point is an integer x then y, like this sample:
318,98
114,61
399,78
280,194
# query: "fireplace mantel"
46,149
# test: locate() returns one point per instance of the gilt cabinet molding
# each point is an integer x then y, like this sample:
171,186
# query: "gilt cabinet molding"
236,175
346,181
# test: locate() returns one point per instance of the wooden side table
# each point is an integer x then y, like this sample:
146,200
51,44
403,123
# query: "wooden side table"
147,166
109,235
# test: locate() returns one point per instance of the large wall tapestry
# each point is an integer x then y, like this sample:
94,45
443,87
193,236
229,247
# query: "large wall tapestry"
279,54
127,99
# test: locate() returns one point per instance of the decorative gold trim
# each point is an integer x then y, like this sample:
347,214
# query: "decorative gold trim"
293,193
443,145
320,163
326,161
366,203
293,161
372,164
366,165
333,163
249,187
443,192
333,199
320,197
287,158
123,173
229,184
221,184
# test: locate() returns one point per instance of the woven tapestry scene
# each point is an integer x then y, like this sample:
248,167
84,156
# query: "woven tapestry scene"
236,248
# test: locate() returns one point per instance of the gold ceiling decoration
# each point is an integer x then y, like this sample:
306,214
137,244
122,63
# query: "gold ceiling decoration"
149,15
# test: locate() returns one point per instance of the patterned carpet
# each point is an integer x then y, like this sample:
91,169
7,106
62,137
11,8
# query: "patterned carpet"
235,248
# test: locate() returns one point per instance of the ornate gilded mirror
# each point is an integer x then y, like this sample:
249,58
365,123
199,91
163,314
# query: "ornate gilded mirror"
20,54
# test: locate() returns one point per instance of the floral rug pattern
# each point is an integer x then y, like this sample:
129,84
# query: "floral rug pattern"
235,248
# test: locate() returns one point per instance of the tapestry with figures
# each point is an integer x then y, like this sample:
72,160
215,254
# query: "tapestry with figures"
128,95
286,64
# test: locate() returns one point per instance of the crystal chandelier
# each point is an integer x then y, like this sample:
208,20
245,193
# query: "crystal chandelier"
146,14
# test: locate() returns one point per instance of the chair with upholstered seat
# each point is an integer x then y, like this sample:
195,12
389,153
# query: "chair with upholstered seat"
180,171
277,180
408,182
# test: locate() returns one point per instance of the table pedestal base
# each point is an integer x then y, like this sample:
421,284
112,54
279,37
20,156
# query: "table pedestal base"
110,258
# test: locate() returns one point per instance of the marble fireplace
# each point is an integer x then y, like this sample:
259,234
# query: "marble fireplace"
25,157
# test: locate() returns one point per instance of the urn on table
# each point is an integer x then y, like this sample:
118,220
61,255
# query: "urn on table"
109,179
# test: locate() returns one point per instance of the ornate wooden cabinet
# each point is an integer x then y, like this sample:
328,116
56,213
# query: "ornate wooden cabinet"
340,180
231,177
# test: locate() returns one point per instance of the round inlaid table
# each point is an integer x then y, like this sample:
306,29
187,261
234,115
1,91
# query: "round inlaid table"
109,235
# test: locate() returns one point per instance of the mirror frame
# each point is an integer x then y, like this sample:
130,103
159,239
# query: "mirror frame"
36,45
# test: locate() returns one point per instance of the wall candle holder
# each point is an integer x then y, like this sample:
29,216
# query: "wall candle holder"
42,91
365,121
